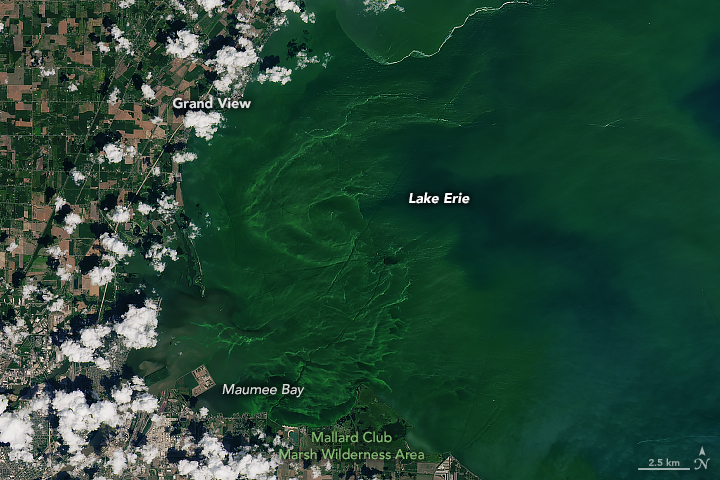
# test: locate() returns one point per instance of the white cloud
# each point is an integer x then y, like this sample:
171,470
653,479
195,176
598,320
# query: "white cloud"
102,363
122,42
378,6
186,44
16,429
118,462
56,252
229,63
92,337
210,5
167,204
179,6
316,471
138,326
156,254
77,176
76,352
15,334
28,290
101,275
57,305
219,464
126,3
115,245
156,120
71,222
149,453
145,403
123,395
304,60
114,95
115,152
307,17
183,157
120,214
285,5
72,87
76,418
205,124
11,248
104,48
144,208
204,411
46,73
64,273
147,91
59,202
276,75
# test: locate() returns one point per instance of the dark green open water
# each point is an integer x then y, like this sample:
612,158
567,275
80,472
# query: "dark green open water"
561,325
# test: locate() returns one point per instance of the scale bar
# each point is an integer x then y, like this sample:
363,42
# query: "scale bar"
665,468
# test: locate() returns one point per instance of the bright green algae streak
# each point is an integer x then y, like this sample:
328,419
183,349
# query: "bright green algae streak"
562,324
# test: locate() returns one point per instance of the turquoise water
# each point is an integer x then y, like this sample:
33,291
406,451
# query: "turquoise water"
561,325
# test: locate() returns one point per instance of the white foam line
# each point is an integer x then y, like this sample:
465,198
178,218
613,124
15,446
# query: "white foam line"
418,53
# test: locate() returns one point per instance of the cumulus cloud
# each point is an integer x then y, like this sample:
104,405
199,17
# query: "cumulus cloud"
46,73
113,244
144,208
149,453
156,254
11,248
76,352
76,418
115,94
16,430
147,91
120,214
77,176
184,45
303,60
205,124
57,305
126,3
275,74
211,5
219,464
115,152
285,5
378,6
167,204
65,273
104,48
72,87
204,411
137,330
93,337
229,63
101,275
307,17
118,462
59,203
122,42
72,220
56,252
183,157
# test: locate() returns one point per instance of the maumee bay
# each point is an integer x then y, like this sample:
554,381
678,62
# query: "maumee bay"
286,389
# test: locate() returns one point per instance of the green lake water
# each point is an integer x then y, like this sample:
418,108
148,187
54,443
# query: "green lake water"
561,325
